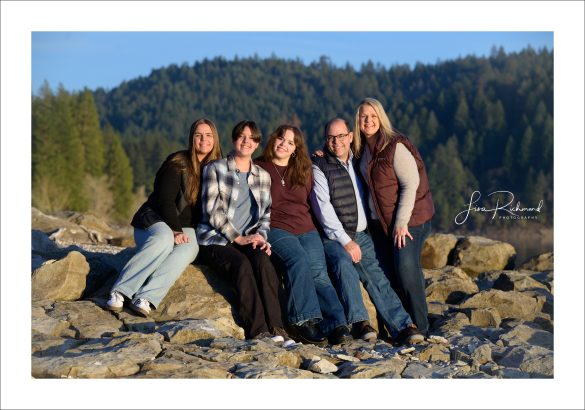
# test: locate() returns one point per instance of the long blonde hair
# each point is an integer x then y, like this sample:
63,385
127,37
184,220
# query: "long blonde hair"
386,132
300,163
188,162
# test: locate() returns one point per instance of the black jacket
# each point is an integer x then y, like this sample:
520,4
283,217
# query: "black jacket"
167,203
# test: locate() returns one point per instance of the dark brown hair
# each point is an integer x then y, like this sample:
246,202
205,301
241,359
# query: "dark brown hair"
239,128
299,162
188,162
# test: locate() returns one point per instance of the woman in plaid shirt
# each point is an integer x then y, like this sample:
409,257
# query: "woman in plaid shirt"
233,233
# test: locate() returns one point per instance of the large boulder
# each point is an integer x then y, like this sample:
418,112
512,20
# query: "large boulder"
436,250
517,280
61,280
509,304
448,285
476,254
540,263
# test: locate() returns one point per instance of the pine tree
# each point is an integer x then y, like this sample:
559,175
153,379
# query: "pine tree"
71,150
119,173
48,168
88,128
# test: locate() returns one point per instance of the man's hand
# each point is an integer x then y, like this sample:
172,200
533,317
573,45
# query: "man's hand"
354,251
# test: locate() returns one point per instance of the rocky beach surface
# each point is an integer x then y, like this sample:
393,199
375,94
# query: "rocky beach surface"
487,321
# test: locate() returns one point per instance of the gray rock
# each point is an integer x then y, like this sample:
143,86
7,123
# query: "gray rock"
526,335
475,254
482,354
47,325
436,250
511,373
371,369
516,355
61,280
177,364
88,320
509,304
97,358
263,371
435,353
416,370
190,330
541,367
451,285
322,366
518,281
541,263
485,317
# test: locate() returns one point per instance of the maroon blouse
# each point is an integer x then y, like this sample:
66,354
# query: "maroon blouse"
290,204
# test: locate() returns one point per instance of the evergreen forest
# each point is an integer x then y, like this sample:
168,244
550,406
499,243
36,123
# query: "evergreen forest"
480,123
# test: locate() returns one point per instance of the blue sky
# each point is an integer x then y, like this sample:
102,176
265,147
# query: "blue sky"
105,59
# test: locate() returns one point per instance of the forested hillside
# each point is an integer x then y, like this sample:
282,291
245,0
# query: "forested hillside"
480,123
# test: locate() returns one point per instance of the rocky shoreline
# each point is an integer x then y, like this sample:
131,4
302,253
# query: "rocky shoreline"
487,321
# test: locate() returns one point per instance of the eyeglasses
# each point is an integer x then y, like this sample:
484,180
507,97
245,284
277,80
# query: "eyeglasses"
340,137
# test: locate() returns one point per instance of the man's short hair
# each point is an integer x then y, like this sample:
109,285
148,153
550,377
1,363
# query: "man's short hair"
331,121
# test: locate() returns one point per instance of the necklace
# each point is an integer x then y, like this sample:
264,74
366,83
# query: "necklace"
281,176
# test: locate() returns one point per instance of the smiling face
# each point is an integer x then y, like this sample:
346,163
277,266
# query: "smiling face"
369,120
244,145
284,146
339,139
203,140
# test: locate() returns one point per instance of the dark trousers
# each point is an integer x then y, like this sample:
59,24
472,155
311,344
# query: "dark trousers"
402,266
255,280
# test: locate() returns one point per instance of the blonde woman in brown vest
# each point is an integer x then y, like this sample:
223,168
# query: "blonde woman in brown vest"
400,203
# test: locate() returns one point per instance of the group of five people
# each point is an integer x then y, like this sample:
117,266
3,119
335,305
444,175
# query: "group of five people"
327,223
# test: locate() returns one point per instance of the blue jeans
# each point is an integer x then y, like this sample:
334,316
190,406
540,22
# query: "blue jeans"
157,264
311,294
403,268
347,276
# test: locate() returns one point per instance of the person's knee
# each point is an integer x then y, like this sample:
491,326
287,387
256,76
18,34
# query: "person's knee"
163,240
189,251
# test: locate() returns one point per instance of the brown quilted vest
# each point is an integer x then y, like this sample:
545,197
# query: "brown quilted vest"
385,189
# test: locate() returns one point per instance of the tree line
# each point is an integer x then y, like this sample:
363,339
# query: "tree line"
480,123
76,163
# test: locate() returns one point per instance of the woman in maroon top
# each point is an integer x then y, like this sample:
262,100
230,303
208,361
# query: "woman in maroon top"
313,308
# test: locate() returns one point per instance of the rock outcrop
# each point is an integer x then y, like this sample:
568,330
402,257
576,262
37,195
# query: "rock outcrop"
486,322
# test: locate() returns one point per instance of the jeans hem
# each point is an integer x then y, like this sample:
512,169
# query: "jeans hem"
305,317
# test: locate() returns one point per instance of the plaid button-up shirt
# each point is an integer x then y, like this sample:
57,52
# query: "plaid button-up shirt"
219,195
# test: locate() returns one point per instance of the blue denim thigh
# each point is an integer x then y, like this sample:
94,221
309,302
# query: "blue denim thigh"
409,275
153,246
331,307
384,298
346,280
289,254
161,280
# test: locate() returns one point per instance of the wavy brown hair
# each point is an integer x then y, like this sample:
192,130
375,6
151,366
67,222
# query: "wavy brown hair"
300,163
188,162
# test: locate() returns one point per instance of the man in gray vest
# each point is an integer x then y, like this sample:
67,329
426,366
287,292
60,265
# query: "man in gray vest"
338,199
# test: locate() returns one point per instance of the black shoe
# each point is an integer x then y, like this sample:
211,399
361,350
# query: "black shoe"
308,332
363,330
340,335
410,335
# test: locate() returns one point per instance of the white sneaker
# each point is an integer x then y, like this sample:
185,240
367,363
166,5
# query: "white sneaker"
116,301
141,306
